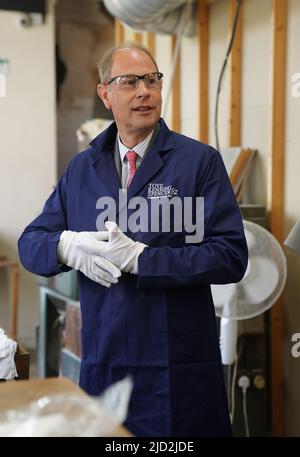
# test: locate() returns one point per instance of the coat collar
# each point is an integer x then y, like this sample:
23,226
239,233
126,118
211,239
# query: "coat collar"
103,160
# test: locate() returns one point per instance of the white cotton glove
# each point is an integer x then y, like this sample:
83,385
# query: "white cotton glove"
120,249
81,251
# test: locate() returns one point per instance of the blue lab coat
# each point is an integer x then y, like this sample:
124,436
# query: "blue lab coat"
159,326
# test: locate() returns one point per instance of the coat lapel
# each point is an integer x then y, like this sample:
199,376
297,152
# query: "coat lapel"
153,161
150,165
104,163
107,172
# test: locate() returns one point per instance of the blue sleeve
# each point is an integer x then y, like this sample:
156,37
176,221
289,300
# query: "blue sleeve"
220,258
38,243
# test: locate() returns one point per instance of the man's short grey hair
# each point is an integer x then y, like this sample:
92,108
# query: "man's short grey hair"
105,64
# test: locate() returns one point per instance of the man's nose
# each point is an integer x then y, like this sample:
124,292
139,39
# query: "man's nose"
142,88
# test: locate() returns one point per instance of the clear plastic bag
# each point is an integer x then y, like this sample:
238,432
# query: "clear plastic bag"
70,415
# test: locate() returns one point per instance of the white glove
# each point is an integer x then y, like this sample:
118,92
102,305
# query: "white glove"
121,250
81,251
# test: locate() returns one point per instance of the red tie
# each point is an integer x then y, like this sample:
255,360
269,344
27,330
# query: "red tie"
131,156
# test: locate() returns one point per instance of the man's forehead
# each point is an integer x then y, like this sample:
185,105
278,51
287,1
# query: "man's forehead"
131,58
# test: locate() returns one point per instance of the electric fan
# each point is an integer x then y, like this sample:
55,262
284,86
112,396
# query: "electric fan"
259,289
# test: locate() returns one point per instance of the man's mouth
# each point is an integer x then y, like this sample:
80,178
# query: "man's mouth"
143,108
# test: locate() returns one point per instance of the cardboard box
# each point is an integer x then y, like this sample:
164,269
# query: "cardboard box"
22,361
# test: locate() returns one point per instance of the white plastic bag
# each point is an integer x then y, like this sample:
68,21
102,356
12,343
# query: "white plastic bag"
70,415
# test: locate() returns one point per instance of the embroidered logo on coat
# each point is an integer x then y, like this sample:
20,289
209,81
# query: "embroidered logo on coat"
161,191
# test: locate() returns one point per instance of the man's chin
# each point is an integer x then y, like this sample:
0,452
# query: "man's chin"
146,122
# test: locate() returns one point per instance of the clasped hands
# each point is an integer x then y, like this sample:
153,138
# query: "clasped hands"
101,256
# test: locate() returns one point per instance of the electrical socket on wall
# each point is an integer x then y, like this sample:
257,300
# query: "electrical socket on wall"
27,20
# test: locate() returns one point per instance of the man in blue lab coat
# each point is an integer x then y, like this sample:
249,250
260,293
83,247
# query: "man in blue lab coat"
146,303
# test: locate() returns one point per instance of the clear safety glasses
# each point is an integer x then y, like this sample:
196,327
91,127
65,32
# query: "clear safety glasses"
131,82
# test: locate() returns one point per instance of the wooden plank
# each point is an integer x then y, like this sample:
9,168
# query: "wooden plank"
176,125
203,37
119,33
235,77
151,43
6,263
247,173
279,13
15,298
138,37
240,171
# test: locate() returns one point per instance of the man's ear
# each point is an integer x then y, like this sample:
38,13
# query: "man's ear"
102,92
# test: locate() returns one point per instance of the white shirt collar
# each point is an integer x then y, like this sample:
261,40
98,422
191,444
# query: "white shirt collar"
140,148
